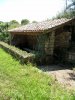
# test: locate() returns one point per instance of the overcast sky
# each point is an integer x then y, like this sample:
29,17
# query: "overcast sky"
29,9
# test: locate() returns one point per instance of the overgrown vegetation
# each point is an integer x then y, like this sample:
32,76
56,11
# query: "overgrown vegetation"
25,21
4,36
65,14
68,12
5,26
26,82
21,55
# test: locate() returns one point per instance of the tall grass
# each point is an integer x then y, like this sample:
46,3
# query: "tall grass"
26,82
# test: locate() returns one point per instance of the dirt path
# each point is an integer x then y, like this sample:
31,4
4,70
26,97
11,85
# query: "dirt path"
63,75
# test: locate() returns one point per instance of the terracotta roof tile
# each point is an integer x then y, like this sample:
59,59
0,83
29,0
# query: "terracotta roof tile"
40,26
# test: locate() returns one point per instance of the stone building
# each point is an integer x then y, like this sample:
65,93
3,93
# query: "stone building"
53,39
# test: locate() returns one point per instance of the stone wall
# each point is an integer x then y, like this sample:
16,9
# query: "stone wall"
71,56
49,44
62,39
62,43
18,54
45,44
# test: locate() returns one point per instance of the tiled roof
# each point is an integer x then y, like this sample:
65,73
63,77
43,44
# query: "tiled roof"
41,26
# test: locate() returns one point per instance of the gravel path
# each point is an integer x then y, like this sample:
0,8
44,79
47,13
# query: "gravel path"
63,75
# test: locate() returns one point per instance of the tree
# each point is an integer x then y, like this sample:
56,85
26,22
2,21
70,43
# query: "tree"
34,21
25,21
1,22
4,27
13,24
66,3
4,36
69,11
72,4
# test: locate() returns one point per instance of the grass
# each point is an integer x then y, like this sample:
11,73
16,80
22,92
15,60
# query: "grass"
26,82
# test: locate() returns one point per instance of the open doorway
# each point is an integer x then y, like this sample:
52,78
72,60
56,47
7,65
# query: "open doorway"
24,42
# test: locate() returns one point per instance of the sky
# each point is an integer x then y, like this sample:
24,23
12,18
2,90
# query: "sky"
37,10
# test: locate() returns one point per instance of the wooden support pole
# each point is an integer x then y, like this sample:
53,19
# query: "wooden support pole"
10,38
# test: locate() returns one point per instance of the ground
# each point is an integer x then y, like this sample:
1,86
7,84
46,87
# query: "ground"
27,82
63,74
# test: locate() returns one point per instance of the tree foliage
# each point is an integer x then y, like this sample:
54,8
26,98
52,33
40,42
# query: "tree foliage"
4,27
24,21
69,12
34,21
13,24
72,5
4,36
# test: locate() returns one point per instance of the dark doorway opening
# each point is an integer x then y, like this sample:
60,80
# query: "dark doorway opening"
25,42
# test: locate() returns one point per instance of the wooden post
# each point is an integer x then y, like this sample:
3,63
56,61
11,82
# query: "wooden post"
10,38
